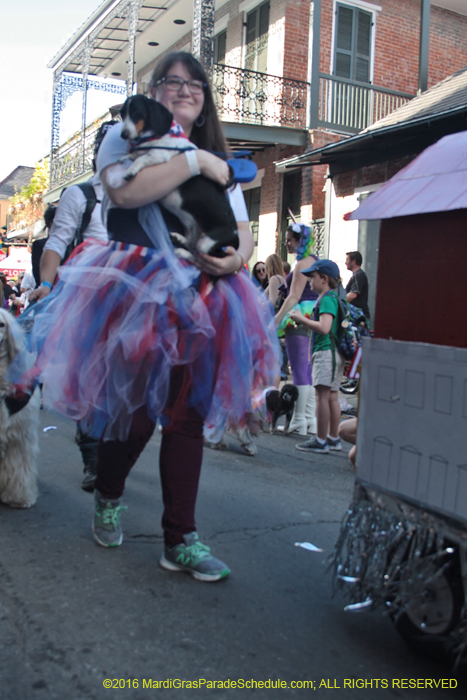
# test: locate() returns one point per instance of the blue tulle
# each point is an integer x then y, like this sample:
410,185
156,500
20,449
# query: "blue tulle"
121,317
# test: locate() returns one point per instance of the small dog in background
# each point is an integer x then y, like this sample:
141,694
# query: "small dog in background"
199,203
19,446
281,403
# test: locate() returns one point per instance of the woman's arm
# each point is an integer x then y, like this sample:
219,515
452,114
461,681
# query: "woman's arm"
155,182
50,260
297,288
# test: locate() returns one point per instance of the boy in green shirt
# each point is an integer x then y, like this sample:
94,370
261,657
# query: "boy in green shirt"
327,363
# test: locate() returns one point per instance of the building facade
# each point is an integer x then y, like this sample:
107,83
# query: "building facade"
289,76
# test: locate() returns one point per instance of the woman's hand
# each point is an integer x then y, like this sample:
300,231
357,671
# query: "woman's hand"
233,262
39,293
213,167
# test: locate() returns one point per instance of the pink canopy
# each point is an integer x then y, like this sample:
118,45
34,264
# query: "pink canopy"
435,181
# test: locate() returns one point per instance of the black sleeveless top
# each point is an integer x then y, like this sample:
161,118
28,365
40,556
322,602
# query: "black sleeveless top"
123,225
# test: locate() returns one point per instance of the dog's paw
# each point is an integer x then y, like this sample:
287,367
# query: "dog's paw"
184,255
129,175
178,239
19,504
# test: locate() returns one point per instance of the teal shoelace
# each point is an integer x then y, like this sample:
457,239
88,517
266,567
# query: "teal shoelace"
110,515
194,553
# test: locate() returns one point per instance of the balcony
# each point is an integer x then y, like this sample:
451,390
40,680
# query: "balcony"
247,97
250,99
70,160
241,97
348,106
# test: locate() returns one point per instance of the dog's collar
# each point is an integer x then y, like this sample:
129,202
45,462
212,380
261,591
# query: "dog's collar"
175,131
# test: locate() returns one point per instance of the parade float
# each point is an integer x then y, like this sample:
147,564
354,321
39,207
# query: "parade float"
403,542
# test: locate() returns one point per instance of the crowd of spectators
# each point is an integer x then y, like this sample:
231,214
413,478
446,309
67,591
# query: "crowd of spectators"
305,302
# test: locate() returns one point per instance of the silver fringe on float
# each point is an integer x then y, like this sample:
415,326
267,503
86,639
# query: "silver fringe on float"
388,551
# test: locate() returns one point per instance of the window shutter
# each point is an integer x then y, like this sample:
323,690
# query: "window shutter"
257,31
263,19
362,60
251,27
352,44
220,42
344,35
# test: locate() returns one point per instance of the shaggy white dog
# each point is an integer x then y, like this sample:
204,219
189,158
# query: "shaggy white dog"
19,446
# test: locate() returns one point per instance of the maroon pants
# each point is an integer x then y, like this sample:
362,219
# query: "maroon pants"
180,461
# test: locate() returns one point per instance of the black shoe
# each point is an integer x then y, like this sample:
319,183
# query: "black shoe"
89,479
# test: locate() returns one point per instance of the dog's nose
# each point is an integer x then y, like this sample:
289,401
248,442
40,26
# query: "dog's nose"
125,134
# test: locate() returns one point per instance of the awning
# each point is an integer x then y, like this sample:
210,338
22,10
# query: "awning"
435,181
14,265
27,231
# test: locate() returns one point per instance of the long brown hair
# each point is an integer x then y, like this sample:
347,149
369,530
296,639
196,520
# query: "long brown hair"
274,266
209,135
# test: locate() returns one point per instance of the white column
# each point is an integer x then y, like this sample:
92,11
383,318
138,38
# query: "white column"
203,32
86,60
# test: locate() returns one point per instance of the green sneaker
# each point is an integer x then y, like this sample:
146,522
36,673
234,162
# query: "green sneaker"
195,558
106,525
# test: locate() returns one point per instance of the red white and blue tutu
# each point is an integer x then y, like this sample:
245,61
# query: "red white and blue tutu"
121,317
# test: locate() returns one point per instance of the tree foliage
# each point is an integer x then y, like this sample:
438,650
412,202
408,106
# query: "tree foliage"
26,205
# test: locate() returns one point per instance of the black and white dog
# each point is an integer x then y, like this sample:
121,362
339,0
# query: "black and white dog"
281,403
199,203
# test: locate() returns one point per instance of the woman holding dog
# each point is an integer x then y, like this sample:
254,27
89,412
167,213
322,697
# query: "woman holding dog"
299,241
133,334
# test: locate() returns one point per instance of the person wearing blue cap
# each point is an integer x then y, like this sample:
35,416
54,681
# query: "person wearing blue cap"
327,363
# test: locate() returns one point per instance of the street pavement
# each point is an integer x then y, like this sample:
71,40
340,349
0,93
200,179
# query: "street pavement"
73,615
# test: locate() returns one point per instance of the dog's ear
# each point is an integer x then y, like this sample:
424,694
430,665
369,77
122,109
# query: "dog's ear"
124,108
159,118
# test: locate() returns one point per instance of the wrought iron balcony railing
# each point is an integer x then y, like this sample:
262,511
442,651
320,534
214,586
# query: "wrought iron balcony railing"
349,106
247,97
69,161
241,96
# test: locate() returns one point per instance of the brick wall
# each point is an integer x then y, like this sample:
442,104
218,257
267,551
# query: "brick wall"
346,183
326,37
312,195
314,178
397,43
448,44
271,196
296,40
396,66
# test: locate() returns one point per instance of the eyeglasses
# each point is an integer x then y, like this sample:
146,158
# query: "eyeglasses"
196,87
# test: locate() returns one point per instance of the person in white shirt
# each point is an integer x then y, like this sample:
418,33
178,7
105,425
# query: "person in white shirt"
67,222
